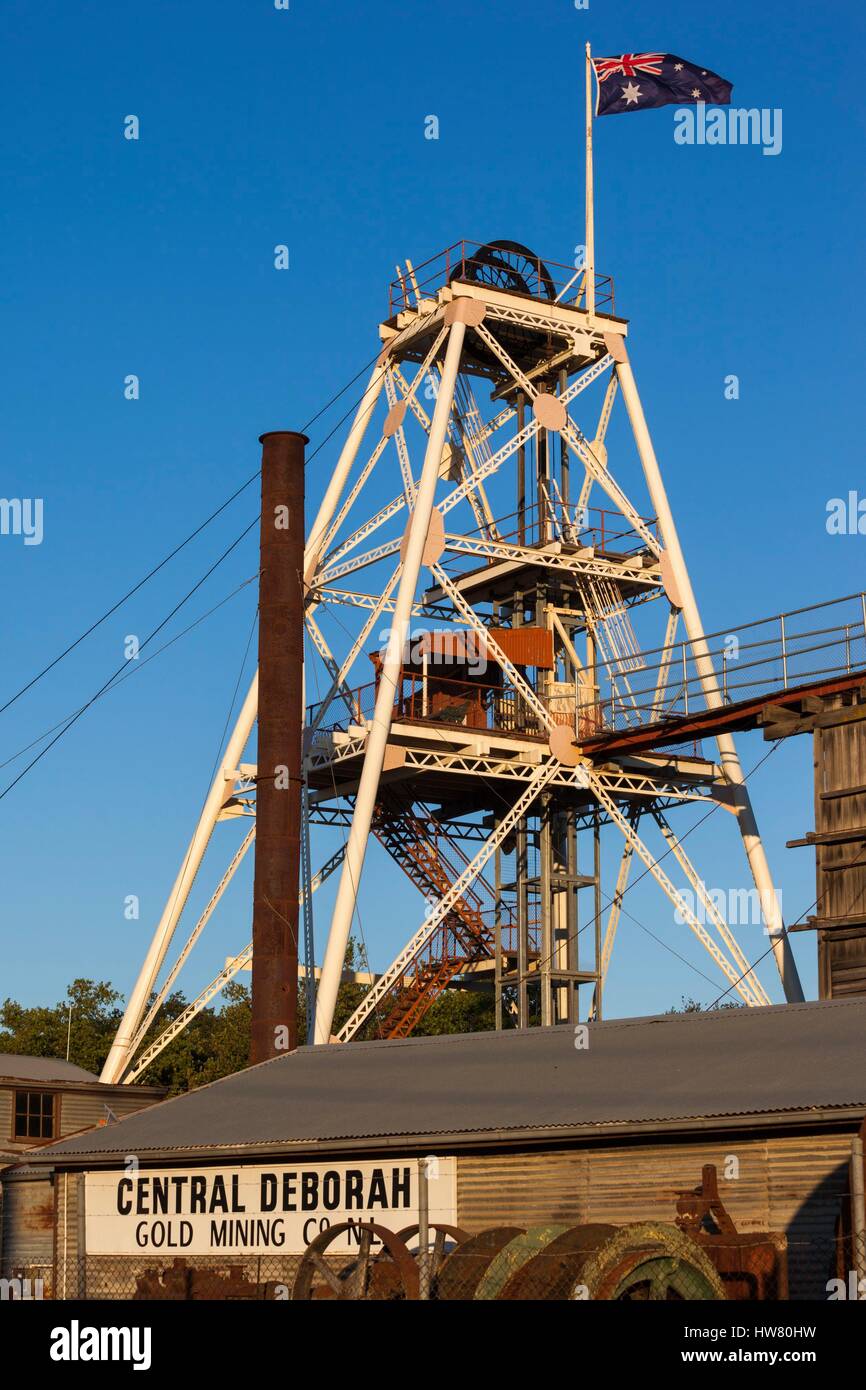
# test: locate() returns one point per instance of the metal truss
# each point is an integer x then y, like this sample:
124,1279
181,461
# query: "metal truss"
520,439
598,442
339,673
553,557
740,983
364,476
332,570
620,781
358,600
532,319
162,994
600,474
231,968
615,909
711,909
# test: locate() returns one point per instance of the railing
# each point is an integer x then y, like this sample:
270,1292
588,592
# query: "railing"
431,698
758,658
607,531
446,944
436,699
547,281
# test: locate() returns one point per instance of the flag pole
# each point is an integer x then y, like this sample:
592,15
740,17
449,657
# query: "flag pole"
589,296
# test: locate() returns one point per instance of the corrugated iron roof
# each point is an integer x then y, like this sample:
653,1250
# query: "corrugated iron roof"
15,1067
635,1072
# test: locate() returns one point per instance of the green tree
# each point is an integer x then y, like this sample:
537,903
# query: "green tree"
349,994
691,1006
458,1011
213,1044
42,1031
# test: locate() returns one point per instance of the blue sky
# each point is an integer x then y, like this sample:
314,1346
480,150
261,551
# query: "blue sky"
155,257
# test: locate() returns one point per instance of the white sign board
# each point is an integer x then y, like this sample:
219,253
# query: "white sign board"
257,1211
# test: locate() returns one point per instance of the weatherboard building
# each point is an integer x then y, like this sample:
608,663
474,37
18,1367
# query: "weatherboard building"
525,1128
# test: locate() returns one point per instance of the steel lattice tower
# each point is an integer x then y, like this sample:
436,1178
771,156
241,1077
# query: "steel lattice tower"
473,498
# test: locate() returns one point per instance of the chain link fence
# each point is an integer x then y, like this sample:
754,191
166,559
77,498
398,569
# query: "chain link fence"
643,1262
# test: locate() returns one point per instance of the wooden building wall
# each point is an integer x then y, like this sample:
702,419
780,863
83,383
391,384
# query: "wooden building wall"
840,849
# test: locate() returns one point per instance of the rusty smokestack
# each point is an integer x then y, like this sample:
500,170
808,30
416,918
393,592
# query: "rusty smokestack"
278,786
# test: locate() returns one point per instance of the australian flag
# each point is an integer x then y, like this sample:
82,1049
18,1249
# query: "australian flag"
637,81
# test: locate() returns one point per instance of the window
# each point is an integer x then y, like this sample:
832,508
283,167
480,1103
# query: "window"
34,1115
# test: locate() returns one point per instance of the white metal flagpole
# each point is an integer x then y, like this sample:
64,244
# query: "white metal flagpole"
589,295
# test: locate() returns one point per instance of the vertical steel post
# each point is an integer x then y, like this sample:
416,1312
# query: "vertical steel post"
542,478
572,960
423,1229
858,1209
279,780
564,459
589,297
497,932
596,863
521,476
309,932
545,889
521,875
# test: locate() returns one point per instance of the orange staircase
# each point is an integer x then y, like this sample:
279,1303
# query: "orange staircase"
462,938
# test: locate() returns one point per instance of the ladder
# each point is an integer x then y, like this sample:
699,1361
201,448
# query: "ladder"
464,935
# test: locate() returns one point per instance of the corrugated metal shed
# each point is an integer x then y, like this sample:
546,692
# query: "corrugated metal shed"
676,1072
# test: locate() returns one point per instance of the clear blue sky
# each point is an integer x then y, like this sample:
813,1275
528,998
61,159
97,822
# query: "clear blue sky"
155,257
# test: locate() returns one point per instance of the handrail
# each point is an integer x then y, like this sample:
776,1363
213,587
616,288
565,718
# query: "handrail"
785,659
444,267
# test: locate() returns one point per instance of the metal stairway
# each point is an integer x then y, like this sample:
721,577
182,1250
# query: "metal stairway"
463,937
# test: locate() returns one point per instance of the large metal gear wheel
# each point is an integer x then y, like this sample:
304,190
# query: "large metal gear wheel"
363,1276
654,1262
507,265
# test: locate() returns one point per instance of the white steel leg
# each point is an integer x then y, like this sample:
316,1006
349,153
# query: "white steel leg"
377,739
349,452
710,908
216,898
612,922
727,749
742,986
339,676
117,1059
616,908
